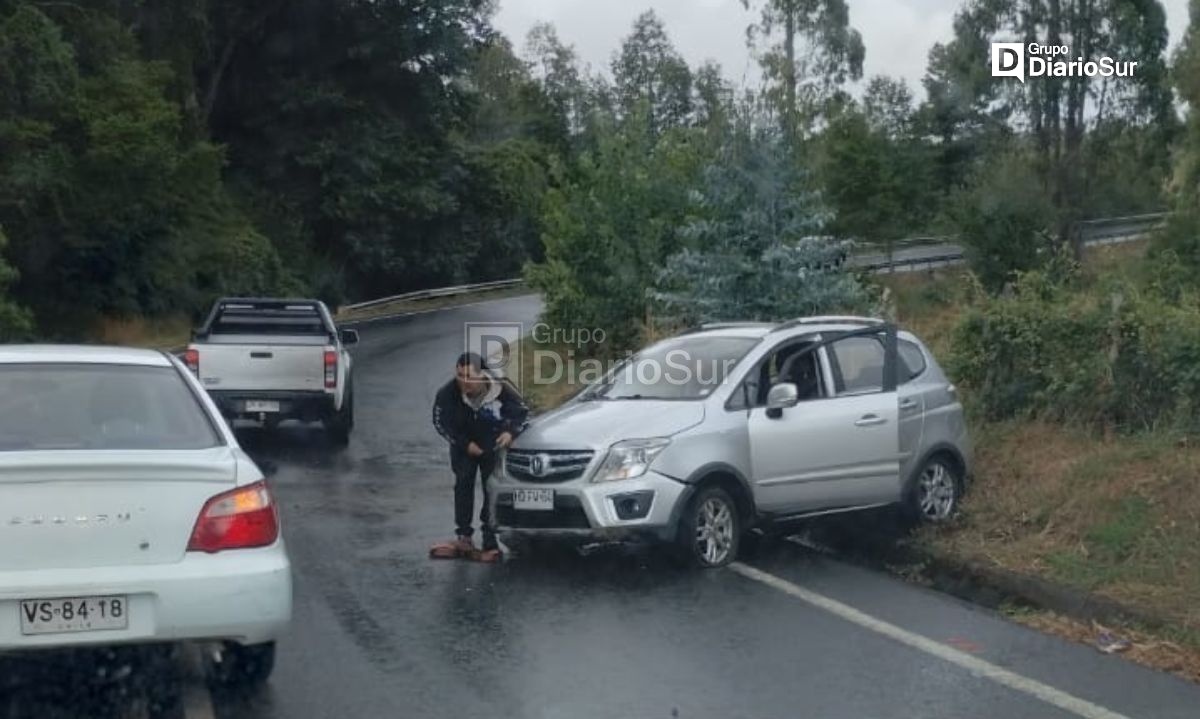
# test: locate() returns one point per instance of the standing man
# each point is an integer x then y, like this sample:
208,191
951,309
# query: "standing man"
478,415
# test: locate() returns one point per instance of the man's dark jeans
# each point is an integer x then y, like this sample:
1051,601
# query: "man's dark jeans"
465,468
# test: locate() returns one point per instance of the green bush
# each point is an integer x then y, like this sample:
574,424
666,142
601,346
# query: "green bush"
609,226
15,323
753,246
1002,217
1115,355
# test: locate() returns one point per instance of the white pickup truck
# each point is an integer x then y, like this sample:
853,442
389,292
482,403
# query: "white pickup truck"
274,359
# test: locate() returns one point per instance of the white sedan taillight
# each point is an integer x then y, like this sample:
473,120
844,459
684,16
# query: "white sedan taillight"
238,519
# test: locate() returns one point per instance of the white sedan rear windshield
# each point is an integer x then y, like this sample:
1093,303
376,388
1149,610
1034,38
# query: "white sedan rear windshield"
97,406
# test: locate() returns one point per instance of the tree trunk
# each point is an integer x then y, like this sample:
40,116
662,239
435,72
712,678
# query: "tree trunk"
236,35
1077,89
789,71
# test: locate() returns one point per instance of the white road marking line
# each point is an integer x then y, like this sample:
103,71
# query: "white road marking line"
197,702
973,664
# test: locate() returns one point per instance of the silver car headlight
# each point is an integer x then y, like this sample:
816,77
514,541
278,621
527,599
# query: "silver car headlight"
630,458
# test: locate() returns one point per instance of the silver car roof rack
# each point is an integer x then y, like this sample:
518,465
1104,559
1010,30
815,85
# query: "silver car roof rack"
830,320
725,325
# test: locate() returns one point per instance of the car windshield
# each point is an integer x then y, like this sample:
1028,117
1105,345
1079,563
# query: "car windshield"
679,368
99,406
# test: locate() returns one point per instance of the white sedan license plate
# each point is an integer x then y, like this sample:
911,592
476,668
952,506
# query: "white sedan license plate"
74,614
536,499
254,405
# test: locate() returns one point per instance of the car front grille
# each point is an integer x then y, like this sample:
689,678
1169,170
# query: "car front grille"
547,466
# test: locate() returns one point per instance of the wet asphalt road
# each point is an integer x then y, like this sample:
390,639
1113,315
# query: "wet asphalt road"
382,631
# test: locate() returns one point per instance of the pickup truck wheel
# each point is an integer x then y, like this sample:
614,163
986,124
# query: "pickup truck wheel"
710,529
338,426
243,664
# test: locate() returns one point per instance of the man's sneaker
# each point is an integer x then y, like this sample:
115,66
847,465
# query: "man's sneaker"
461,548
489,555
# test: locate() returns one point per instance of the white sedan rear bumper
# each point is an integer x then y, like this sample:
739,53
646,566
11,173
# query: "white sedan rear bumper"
241,595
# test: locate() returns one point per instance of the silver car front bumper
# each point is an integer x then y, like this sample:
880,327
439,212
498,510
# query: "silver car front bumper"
611,511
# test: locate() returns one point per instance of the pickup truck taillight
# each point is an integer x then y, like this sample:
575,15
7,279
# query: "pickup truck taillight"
238,519
192,359
331,360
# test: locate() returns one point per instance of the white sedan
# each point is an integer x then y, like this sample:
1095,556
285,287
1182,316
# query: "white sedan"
128,512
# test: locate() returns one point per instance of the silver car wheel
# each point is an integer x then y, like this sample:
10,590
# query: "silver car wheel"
937,492
714,531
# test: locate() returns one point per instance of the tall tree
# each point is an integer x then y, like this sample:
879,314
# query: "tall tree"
875,169
1059,111
651,77
556,66
348,126
751,249
111,205
714,97
1182,237
888,106
610,223
807,50
959,115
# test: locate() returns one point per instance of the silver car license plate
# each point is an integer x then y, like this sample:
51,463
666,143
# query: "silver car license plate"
254,405
533,499
74,614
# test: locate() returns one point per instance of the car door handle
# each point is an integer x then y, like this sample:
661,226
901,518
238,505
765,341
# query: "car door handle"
908,404
870,420
261,355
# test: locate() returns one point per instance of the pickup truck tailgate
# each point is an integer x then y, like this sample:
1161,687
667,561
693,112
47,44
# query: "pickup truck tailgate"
262,367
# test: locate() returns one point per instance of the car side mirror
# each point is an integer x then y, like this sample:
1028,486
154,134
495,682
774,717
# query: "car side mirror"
349,337
781,397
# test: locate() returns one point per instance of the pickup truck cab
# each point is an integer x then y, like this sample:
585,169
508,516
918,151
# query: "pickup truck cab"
271,360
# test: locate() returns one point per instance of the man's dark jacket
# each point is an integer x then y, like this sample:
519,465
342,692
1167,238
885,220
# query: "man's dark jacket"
461,424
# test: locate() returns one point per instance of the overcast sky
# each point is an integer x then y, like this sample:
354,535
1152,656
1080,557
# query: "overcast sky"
897,33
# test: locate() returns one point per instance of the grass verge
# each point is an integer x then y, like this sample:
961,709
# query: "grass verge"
1115,516
162,334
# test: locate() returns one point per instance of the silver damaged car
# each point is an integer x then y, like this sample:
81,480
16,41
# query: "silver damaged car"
701,437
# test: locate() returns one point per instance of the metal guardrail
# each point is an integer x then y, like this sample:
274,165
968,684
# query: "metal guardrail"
1103,231
1112,230
943,251
437,292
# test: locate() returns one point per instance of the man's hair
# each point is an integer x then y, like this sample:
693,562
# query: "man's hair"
472,360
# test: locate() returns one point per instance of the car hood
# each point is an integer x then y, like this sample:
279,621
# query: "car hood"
598,424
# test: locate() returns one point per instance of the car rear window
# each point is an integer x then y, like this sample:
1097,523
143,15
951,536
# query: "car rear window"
249,320
912,360
100,406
